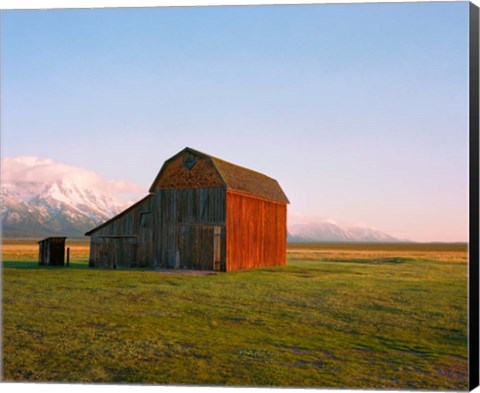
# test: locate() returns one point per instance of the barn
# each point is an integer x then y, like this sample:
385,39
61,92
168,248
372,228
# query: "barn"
201,213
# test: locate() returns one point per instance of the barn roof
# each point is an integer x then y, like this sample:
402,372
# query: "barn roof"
47,239
238,178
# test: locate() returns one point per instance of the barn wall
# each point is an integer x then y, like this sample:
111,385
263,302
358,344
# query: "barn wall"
127,240
189,220
256,232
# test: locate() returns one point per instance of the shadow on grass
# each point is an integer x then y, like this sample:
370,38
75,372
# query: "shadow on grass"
35,265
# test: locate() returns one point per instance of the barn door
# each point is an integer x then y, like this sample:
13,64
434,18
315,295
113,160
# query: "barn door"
196,247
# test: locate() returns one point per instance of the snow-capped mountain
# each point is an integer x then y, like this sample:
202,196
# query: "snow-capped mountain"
59,207
329,231
40,197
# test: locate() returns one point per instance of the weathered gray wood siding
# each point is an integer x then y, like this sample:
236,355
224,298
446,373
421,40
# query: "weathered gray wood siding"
172,228
127,240
191,228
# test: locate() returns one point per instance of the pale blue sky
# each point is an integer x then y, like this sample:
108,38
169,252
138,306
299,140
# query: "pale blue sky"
360,111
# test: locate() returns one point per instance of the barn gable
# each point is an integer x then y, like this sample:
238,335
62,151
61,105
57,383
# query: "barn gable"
193,169
187,169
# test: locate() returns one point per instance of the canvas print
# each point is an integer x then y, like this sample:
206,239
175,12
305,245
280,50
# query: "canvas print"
270,196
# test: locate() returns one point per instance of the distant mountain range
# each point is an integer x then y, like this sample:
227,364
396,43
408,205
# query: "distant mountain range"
328,231
42,198
56,208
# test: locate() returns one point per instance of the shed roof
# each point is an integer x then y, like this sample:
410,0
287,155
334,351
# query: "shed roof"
54,238
238,178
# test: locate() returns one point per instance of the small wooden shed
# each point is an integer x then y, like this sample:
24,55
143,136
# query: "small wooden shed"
51,251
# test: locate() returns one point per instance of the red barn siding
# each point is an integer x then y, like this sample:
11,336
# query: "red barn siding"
256,232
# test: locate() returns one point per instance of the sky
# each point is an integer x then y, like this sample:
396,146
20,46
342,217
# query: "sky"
360,111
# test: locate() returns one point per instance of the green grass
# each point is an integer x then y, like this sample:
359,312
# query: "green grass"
329,319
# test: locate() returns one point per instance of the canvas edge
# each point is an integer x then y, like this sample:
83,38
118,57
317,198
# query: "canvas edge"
473,320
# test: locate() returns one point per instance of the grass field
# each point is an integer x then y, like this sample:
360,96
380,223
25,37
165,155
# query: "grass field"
343,316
